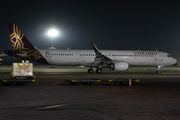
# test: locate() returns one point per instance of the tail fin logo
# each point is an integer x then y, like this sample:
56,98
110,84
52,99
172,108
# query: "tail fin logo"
16,38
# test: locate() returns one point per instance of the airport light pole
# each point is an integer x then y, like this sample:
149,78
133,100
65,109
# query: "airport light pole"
53,33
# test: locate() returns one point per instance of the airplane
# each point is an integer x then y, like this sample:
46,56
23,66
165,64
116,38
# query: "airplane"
117,60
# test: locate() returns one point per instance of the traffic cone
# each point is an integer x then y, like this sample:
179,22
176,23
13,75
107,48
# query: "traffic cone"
130,84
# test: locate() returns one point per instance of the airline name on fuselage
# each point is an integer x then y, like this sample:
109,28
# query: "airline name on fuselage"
145,53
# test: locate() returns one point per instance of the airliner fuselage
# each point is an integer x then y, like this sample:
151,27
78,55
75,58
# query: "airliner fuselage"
86,57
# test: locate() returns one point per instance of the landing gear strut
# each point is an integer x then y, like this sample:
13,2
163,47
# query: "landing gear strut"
158,69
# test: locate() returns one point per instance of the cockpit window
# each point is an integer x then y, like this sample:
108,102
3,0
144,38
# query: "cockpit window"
169,56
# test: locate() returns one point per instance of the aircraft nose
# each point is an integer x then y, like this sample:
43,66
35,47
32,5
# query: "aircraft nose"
174,61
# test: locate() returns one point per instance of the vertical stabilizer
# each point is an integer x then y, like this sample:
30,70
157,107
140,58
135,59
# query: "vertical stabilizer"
18,41
22,48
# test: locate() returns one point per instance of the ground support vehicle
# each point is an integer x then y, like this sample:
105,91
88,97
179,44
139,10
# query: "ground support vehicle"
129,81
17,81
22,74
93,81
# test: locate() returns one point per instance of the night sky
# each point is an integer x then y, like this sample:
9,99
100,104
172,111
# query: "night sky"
110,24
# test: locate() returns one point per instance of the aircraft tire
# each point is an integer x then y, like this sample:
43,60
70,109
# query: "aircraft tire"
25,83
90,71
73,83
98,71
158,71
18,84
117,83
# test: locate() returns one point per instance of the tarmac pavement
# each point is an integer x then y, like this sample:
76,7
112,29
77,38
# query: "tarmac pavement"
157,97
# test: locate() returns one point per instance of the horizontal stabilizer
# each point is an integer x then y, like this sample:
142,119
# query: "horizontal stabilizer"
15,52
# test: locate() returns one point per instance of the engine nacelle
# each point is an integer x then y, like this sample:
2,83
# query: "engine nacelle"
120,66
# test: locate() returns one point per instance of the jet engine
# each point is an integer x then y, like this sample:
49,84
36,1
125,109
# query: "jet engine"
120,66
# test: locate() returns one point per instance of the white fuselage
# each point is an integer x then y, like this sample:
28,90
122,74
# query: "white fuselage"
86,57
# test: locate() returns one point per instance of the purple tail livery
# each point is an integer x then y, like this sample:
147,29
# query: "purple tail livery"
22,48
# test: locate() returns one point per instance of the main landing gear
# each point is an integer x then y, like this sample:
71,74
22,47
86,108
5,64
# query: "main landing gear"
98,71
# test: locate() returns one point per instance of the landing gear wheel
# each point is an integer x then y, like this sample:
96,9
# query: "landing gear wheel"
158,71
117,83
25,83
73,83
90,70
18,84
98,71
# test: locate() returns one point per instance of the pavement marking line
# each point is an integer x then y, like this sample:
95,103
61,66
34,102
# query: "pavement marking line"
44,94
54,106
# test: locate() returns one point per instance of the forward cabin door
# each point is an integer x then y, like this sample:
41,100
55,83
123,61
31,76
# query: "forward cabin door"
161,58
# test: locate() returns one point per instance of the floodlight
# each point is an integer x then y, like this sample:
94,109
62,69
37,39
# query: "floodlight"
53,33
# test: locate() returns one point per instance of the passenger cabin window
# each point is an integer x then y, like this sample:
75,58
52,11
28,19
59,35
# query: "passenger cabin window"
168,55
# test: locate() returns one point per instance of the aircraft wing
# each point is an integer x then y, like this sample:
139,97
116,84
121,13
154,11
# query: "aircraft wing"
100,58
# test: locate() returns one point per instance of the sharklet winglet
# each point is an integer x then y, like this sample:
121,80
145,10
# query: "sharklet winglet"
95,48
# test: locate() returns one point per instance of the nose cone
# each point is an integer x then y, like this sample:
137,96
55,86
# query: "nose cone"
174,61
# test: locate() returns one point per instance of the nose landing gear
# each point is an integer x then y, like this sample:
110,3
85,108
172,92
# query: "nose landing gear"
158,70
